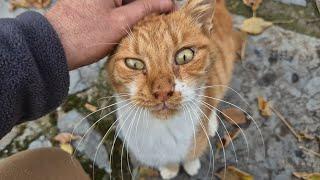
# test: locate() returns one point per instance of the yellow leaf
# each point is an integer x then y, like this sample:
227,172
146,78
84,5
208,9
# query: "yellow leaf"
306,136
64,138
145,173
307,176
226,140
233,173
254,4
90,107
234,116
264,107
67,148
255,25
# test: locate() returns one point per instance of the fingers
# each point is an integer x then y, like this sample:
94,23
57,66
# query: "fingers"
136,10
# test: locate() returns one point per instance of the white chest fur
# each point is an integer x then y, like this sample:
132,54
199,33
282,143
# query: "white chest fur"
155,142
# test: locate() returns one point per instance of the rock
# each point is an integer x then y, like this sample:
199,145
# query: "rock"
314,103
6,140
313,86
83,78
41,142
88,147
295,2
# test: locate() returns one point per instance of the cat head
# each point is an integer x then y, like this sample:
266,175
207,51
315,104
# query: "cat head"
164,60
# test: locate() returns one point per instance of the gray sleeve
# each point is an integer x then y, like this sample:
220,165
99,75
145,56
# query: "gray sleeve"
34,76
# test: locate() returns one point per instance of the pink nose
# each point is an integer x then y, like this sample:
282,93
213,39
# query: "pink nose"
163,95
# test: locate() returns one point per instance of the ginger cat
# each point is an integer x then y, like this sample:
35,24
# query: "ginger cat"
168,75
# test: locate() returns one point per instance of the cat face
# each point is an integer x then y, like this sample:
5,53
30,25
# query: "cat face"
163,62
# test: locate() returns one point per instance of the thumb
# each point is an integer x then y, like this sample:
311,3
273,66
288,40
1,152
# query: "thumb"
138,9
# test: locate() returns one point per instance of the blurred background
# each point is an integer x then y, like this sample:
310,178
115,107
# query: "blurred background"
280,65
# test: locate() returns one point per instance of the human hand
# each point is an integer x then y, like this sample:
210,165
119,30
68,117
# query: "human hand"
89,29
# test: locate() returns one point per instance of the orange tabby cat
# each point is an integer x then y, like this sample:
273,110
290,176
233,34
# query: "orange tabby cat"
168,74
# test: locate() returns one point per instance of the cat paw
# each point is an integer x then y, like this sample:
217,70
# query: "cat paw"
213,124
192,167
169,173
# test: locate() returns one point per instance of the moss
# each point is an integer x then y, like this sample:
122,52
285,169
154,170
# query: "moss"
73,102
290,17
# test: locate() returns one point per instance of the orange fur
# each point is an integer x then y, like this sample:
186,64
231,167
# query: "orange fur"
157,38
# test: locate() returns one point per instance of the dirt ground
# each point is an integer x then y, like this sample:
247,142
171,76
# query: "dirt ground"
282,65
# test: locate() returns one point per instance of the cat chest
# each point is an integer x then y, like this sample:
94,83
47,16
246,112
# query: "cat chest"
156,143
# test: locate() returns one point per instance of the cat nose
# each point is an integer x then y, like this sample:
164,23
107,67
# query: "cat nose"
163,95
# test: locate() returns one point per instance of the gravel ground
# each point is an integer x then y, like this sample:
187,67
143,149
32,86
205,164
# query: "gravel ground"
281,65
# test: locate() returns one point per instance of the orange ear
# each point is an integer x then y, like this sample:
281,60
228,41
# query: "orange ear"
201,11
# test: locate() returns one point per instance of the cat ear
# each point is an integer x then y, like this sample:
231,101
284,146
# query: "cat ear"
201,11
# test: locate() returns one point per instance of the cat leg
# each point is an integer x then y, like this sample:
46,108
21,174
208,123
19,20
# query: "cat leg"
169,172
192,167
213,124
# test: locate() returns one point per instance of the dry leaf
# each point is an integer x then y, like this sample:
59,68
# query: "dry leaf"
255,25
234,116
90,107
67,148
318,5
307,176
264,107
226,140
146,173
64,138
14,4
254,4
306,136
233,173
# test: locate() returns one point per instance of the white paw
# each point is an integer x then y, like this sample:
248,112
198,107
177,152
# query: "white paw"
192,167
167,173
213,124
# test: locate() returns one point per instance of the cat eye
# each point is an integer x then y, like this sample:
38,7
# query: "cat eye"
135,64
184,56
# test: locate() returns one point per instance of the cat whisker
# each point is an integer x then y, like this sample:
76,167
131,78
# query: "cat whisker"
138,121
208,139
103,108
133,121
220,139
117,95
225,86
106,134
78,124
242,132
247,114
94,124
194,132
224,126
132,109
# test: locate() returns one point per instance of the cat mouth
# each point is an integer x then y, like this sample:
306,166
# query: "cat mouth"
164,108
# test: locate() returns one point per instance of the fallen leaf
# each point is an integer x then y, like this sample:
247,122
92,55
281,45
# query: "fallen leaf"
67,148
264,107
307,176
39,4
64,138
318,5
90,107
306,136
254,4
226,140
146,173
255,25
233,173
234,116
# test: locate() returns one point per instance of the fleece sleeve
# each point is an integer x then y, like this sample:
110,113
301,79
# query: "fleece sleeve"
34,77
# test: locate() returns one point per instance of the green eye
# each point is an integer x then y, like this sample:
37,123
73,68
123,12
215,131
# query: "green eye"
135,64
184,56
